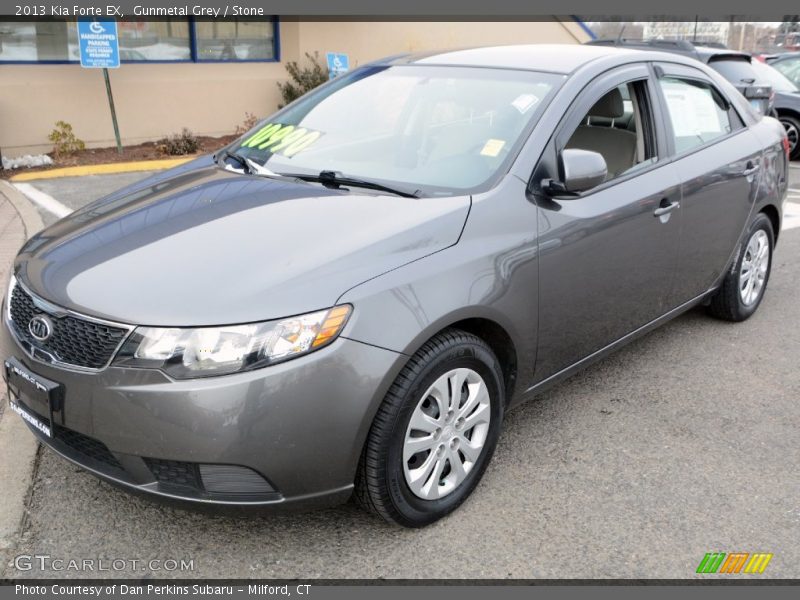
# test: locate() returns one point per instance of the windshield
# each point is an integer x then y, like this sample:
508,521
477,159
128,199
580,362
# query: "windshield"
439,130
789,68
775,78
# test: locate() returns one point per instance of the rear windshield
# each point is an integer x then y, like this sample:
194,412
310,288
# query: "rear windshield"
738,71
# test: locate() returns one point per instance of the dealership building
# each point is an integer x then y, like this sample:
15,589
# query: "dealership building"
202,74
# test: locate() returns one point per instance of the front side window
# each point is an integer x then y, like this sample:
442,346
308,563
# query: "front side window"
441,130
619,127
697,111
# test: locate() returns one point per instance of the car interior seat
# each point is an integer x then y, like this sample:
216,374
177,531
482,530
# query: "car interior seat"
618,146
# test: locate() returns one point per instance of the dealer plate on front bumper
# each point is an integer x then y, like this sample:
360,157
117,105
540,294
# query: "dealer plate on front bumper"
29,393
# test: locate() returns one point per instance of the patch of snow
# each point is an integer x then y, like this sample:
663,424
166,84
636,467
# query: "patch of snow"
39,160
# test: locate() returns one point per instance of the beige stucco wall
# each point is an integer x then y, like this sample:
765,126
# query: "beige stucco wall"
367,40
154,100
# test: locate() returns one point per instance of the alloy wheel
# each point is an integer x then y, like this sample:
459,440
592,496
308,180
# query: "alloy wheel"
755,265
792,133
446,434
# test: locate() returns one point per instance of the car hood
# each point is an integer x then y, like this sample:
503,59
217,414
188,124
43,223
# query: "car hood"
204,246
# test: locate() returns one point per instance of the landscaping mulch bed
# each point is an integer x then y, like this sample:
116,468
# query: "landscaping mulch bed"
99,156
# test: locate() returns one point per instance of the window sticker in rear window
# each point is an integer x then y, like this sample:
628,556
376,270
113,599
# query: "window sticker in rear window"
286,140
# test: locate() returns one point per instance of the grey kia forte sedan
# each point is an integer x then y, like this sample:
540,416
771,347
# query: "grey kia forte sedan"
347,300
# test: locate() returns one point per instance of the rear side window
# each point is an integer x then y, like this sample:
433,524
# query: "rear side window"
697,112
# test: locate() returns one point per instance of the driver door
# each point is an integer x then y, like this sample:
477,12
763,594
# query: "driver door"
607,255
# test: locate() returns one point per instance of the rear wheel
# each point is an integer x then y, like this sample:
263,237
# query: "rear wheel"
745,283
435,432
792,127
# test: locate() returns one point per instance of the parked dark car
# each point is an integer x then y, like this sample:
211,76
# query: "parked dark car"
787,104
734,66
348,299
788,63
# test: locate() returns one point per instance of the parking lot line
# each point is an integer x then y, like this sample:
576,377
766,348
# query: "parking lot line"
791,216
45,201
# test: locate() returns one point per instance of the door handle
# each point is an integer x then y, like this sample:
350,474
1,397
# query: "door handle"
751,168
665,208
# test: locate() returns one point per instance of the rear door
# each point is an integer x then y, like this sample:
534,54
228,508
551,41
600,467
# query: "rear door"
718,160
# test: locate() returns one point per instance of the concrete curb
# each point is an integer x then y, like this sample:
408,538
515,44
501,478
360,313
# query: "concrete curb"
18,447
31,219
104,169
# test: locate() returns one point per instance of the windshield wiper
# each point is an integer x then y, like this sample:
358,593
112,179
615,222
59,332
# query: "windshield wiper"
334,179
251,167
242,160
258,169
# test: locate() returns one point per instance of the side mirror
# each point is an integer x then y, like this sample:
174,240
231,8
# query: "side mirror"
581,169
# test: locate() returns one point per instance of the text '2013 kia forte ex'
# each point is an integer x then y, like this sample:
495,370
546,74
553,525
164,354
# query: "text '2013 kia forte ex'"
346,300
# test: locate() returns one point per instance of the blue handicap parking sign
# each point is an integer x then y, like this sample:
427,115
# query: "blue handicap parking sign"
98,43
337,64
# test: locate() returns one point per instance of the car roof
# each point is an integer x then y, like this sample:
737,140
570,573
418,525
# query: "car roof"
553,58
704,53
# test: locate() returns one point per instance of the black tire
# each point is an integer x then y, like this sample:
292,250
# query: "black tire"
381,485
727,302
792,126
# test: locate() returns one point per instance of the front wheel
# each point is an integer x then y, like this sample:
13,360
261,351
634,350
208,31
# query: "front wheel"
435,432
745,283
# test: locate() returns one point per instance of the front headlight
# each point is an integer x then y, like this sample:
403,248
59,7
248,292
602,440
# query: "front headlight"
203,352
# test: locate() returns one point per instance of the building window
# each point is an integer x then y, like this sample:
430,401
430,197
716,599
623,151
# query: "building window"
234,40
154,40
37,41
140,40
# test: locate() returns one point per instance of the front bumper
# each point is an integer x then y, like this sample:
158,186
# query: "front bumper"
288,434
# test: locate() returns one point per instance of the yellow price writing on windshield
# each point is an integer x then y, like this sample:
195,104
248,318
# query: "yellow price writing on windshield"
286,140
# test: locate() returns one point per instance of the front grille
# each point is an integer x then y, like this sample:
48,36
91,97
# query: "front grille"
87,447
74,341
174,472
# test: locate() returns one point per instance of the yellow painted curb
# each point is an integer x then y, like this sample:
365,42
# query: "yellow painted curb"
106,169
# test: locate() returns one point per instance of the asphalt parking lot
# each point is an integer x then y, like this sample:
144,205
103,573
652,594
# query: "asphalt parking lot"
685,442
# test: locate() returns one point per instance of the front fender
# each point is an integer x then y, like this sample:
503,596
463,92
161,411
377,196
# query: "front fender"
491,273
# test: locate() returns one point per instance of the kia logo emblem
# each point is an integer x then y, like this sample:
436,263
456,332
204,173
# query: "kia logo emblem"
40,327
